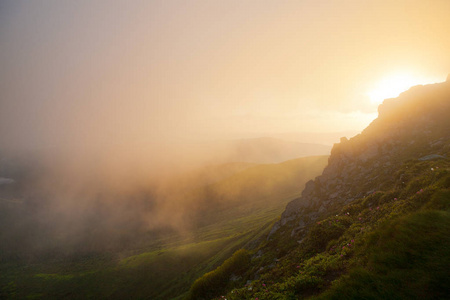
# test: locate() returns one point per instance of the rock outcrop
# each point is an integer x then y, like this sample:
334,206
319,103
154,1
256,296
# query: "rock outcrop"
412,126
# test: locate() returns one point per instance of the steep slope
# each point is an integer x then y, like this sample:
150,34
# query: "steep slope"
373,225
410,127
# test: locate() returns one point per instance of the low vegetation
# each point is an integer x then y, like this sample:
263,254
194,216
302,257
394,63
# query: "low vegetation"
391,244
213,283
166,265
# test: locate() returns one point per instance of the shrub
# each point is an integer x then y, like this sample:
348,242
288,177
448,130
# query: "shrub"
439,200
408,258
302,284
321,234
214,283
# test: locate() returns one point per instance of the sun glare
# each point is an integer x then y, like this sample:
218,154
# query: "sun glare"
391,86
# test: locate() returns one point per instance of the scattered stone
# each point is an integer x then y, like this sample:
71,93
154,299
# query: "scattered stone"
234,277
432,157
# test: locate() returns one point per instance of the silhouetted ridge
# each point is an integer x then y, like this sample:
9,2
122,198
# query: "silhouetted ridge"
408,127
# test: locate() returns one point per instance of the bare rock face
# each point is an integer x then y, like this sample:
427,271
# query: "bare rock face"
408,127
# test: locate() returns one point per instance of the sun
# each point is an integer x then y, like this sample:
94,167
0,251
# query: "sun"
392,85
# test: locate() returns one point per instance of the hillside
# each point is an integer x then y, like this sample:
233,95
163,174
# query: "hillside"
244,192
374,225
226,207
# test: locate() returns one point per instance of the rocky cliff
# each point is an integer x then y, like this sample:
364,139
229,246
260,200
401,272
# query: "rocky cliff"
416,125
374,225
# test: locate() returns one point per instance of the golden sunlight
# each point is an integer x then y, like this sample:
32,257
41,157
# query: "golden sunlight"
392,85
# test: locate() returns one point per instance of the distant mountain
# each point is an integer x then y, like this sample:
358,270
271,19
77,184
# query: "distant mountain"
374,225
271,150
255,187
212,173
322,138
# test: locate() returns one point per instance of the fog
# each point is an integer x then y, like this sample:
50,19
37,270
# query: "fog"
141,80
109,112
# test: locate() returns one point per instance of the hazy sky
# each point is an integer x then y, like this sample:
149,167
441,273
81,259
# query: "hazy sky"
87,74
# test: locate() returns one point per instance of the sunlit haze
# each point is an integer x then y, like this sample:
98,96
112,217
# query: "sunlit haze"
224,149
392,85
146,81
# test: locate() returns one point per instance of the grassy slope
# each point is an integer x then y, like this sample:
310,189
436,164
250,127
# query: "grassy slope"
255,187
392,241
393,244
167,268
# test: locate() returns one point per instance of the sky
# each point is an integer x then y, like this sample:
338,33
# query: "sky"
126,77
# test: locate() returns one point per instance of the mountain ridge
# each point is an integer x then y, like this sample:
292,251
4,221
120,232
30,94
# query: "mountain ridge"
382,141
388,185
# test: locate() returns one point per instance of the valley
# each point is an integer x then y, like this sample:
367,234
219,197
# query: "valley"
231,212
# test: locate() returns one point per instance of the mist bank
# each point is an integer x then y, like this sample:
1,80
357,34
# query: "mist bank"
56,204
121,165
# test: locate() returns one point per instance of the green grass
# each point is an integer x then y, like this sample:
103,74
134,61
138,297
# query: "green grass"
164,271
159,274
213,283
408,258
392,244
165,268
